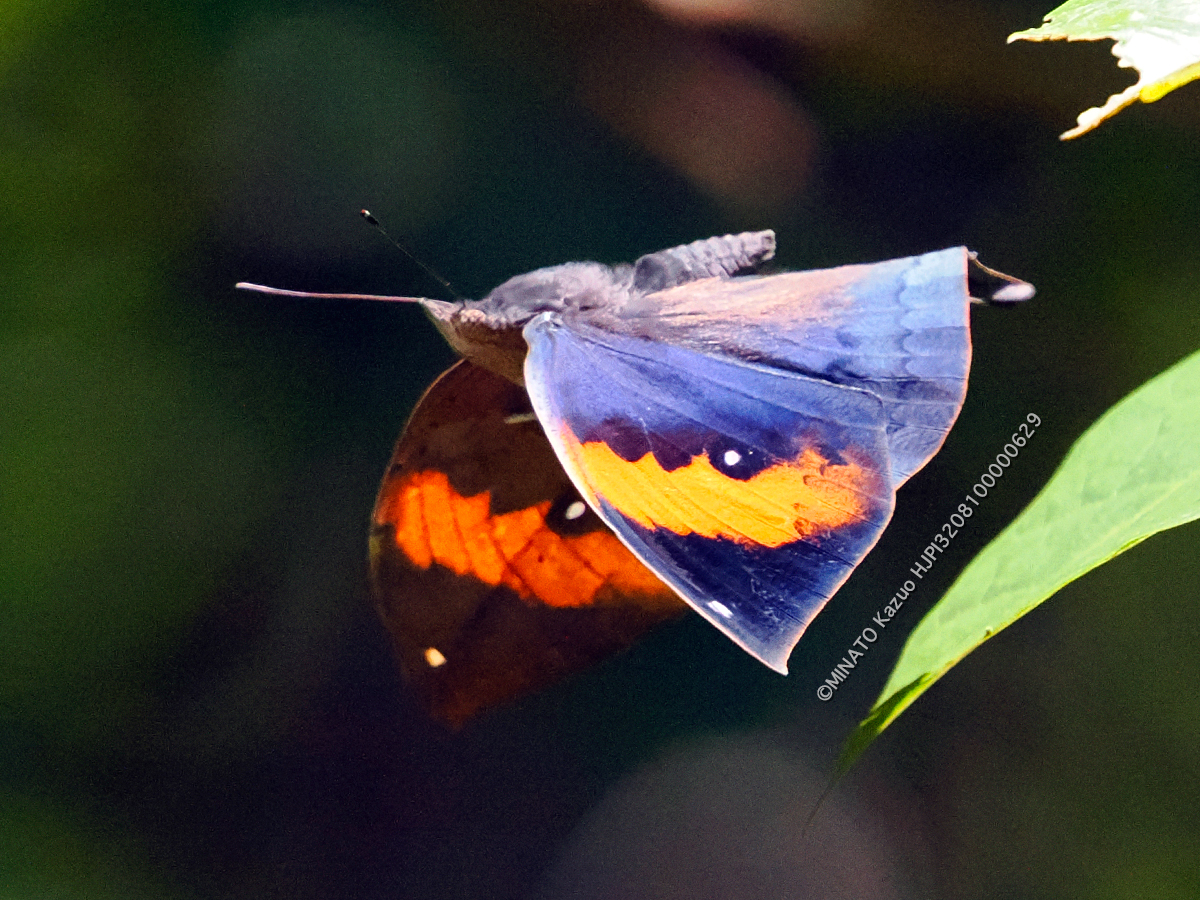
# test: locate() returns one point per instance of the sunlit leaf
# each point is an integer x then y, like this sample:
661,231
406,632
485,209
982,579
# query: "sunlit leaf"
1135,472
1159,38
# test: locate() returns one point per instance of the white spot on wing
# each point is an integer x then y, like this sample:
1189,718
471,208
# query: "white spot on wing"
575,510
720,609
434,657
732,457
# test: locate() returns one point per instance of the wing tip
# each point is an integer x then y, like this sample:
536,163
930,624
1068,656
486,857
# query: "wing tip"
773,660
773,656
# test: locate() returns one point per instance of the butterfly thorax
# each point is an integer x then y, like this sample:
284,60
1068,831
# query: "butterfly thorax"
488,332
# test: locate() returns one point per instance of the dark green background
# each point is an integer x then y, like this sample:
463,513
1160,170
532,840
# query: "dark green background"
195,698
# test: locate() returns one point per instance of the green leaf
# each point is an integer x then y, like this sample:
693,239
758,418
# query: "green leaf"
1159,38
1135,472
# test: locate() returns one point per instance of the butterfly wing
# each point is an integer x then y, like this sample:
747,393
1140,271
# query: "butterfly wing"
753,492
745,437
491,575
898,329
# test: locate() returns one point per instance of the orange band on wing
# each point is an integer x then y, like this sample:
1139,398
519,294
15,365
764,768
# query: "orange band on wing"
781,504
435,524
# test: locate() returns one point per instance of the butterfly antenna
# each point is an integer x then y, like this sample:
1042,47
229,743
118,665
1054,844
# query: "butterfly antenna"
374,222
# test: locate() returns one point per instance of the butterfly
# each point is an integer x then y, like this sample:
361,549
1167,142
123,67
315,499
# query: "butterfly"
621,443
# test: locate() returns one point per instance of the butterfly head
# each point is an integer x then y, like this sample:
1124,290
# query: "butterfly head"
489,331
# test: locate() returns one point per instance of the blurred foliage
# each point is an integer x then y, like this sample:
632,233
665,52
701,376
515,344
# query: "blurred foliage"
194,697
1159,38
51,851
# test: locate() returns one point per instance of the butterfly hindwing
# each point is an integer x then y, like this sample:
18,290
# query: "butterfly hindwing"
490,573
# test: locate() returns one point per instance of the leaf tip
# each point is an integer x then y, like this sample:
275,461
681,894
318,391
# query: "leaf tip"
879,718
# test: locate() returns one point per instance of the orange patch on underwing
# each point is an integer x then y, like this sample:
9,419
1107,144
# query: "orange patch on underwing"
435,524
794,500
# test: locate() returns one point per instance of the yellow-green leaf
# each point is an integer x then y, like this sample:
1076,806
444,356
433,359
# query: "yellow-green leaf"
1135,472
1159,38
